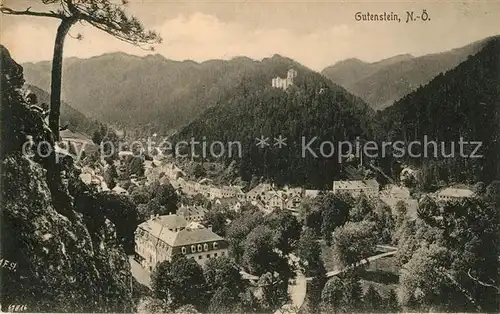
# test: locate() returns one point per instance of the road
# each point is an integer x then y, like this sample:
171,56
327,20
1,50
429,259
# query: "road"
297,292
366,260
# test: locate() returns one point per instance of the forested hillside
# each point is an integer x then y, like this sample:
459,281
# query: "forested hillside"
382,83
464,102
313,106
151,93
74,119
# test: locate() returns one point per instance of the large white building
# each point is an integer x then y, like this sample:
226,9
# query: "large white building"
162,237
284,83
357,187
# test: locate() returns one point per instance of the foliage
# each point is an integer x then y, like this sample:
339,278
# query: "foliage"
325,212
139,196
334,213
151,306
217,220
239,229
342,294
353,242
384,222
224,280
391,303
361,210
419,278
372,301
259,255
123,213
286,230
135,165
110,174
199,171
180,282
442,271
309,252
274,291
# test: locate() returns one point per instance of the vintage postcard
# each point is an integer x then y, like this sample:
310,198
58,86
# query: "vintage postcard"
267,156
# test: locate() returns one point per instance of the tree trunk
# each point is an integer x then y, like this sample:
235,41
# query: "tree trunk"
56,80
60,199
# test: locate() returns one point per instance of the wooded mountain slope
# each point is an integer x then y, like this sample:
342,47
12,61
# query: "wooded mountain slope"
464,102
381,83
312,107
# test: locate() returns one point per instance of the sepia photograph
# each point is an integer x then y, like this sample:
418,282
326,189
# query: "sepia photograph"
237,156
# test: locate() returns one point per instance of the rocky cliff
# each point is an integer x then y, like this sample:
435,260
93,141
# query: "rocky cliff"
53,260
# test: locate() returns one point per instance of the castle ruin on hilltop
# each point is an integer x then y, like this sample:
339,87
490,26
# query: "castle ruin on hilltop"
284,83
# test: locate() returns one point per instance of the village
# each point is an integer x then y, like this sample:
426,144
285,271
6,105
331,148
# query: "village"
183,232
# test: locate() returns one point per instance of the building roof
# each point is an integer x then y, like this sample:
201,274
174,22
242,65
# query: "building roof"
261,188
312,193
229,201
191,210
356,184
68,135
124,153
171,221
119,190
456,192
193,236
396,191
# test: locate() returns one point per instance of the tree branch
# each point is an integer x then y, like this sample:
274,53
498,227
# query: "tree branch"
482,283
138,42
9,11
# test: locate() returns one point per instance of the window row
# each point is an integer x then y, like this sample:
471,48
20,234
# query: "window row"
199,248
208,255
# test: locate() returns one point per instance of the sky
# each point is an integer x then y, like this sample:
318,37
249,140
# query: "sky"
314,33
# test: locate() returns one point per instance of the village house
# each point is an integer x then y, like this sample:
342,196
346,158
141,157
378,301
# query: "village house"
393,194
173,172
162,237
311,193
396,192
275,200
119,190
77,142
260,192
285,198
355,188
190,188
233,203
293,203
192,213
449,193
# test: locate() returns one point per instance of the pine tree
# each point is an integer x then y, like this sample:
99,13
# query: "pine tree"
391,303
372,300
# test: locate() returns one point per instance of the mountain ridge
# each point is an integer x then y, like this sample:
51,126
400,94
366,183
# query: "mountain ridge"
172,93
382,83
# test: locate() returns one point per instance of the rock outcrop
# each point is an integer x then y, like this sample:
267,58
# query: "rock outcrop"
52,260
